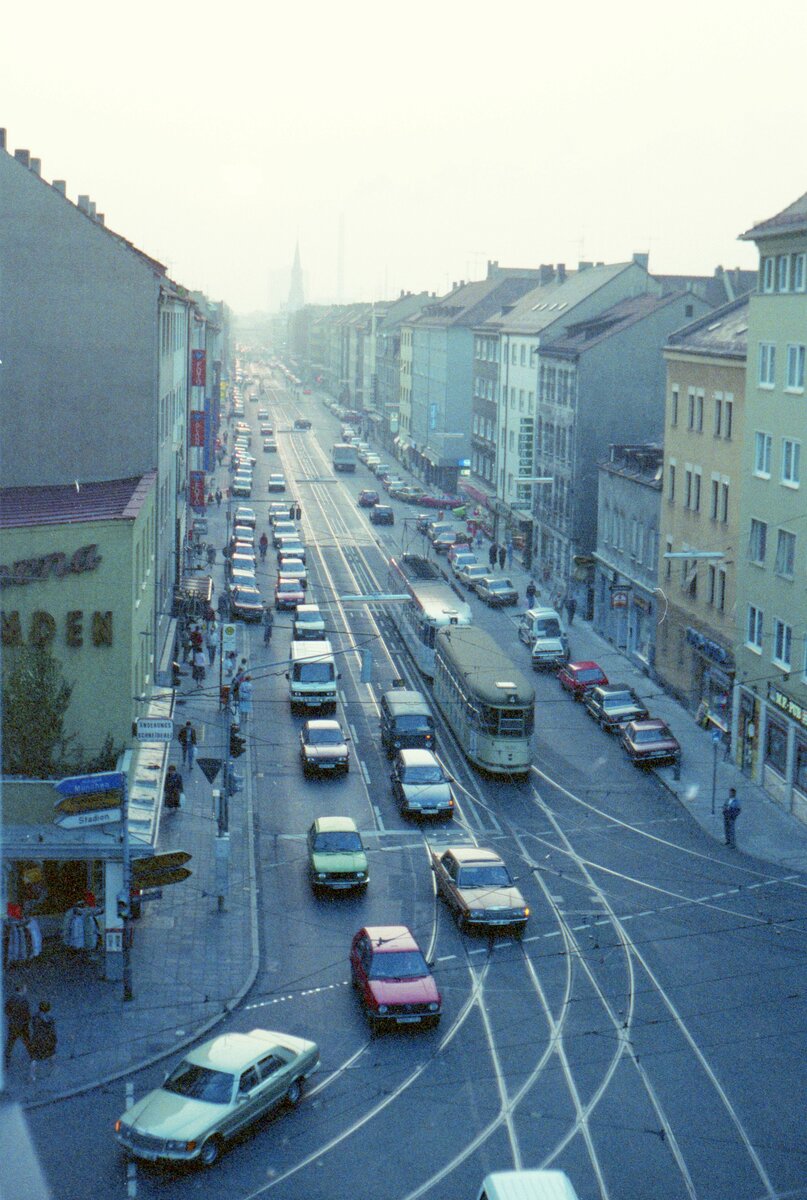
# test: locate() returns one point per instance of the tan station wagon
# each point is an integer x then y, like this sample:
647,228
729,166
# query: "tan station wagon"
216,1090
477,886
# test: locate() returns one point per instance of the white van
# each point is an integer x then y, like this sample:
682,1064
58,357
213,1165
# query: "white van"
527,1185
312,675
542,629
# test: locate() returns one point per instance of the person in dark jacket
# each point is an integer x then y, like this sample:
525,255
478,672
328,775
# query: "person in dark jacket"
187,740
18,1021
502,556
43,1036
731,811
173,787
492,555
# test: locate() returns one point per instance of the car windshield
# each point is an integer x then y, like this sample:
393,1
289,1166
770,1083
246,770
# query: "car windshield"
500,585
288,585
475,569
311,618
200,1083
587,676
412,723
651,735
619,700
337,842
398,964
496,875
424,774
313,672
325,737
550,628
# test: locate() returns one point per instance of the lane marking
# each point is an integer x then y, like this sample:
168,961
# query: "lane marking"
378,818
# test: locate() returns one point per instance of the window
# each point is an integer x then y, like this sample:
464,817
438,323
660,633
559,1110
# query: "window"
640,543
523,354
767,364
671,482
791,462
728,417
674,406
753,631
690,409
762,454
714,505
699,412
782,643
718,399
687,487
783,273
795,369
757,540
711,592
785,553
696,490
668,561
766,269
776,746
721,589
799,272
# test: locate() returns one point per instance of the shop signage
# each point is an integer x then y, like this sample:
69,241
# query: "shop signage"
159,862
81,820
708,648
91,802
198,371
619,597
155,729
42,628
82,785
197,489
642,603
197,429
35,570
783,702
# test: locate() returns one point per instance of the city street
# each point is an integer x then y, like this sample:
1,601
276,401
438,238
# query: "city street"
646,1033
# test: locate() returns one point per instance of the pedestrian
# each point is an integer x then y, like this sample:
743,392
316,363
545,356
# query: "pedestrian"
502,556
479,540
492,555
298,512
18,1022
571,608
529,592
187,740
209,499
43,1037
229,663
731,811
211,554
268,625
238,678
197,638
245,697
199,669
173,788
218,495
212,642
509,554
223,606
187,646
263,544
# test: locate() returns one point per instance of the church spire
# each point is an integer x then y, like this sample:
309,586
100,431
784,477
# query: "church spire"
296,294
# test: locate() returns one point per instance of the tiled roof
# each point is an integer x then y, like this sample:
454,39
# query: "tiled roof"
543,304
473,303
790,220
723,332
113,500
582,335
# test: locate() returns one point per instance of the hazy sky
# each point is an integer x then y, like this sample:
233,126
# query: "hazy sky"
213,135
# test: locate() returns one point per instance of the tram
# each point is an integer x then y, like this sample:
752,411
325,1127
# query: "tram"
431,606
488,702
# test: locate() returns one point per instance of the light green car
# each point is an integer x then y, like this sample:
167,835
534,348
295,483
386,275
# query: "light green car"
336,855
215,1091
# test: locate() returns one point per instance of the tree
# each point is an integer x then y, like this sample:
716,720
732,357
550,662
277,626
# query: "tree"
35,700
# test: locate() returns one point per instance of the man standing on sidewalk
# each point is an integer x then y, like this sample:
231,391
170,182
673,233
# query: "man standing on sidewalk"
187,740
493,554
731,811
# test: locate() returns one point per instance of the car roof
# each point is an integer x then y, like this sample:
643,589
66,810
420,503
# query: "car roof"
383,508
584,665
323,723
416,757
472,854
405,698
335,825
386,938
232,1051
312,609
608,688
650,723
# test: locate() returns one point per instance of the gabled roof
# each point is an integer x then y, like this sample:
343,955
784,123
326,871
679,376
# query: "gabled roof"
723,332
583,335
473,303
542,305
113,500
792,219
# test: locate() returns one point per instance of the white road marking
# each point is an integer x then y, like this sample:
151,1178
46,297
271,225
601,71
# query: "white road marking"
364,771
378,818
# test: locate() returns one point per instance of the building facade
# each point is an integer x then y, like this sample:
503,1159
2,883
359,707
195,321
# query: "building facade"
770,702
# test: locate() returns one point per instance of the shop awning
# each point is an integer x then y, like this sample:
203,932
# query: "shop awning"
197,587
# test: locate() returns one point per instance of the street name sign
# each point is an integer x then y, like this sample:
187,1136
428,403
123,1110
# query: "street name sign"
81,785
82,820
155,729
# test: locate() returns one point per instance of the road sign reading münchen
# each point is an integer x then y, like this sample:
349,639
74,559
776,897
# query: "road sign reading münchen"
155,729
82,785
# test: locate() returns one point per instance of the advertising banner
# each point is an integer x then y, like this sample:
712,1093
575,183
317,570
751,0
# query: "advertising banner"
197,489
198,368
196,432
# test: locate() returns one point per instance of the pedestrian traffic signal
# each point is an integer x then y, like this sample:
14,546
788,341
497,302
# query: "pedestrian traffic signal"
238,744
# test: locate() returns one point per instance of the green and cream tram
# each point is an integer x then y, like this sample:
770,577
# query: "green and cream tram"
488,702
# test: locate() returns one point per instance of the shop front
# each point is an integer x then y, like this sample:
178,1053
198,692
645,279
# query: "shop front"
782,735
712,680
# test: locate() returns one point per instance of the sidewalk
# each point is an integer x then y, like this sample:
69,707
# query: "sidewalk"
191,964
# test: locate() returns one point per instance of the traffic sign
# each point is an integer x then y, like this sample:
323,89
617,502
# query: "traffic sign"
81,820
158,879
210,767
90,802
80,785
160,862
155,729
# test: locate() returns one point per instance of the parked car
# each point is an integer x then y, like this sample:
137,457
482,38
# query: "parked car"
288,592
242,485
323,747
419,784
290,546
542,629
650,741
444,502
382,471
478,888
284,529
471,574
391,483
405,491
462,560
367,498
613,705
392,977
336,856
263,414
444,540
278,511
217,1090
269,446
277,483
382,514
580,677
308,624
245,516
293,568
496,591
267,430
246,602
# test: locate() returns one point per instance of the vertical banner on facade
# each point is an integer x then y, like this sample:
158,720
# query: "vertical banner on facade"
197,428
198,498
207,416
198,371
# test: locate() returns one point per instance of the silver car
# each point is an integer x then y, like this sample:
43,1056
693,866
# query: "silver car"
420,785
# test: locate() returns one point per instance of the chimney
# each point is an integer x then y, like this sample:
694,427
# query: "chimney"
36,166
642,260
718,272
100,218
584,266
60,185
547,273
2,139
92,208
83,203
22,156
561,272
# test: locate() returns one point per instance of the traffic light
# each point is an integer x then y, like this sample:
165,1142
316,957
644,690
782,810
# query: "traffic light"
237,744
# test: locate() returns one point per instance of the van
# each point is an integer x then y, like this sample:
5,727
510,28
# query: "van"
406,721
527,1185
312,676
542,629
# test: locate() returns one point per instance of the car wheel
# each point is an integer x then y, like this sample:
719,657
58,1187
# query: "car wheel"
210,1152
295,1093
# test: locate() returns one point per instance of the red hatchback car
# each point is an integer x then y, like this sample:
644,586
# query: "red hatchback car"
395,983
579,677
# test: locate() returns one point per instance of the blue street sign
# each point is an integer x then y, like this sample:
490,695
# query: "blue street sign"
85,785
716,738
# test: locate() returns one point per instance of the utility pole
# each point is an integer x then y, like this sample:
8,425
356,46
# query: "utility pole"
126,902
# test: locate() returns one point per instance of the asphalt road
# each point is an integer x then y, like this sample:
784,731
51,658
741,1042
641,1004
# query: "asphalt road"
646,1035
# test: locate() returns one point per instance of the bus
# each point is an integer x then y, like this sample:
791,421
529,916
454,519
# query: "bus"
486,700
431,606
